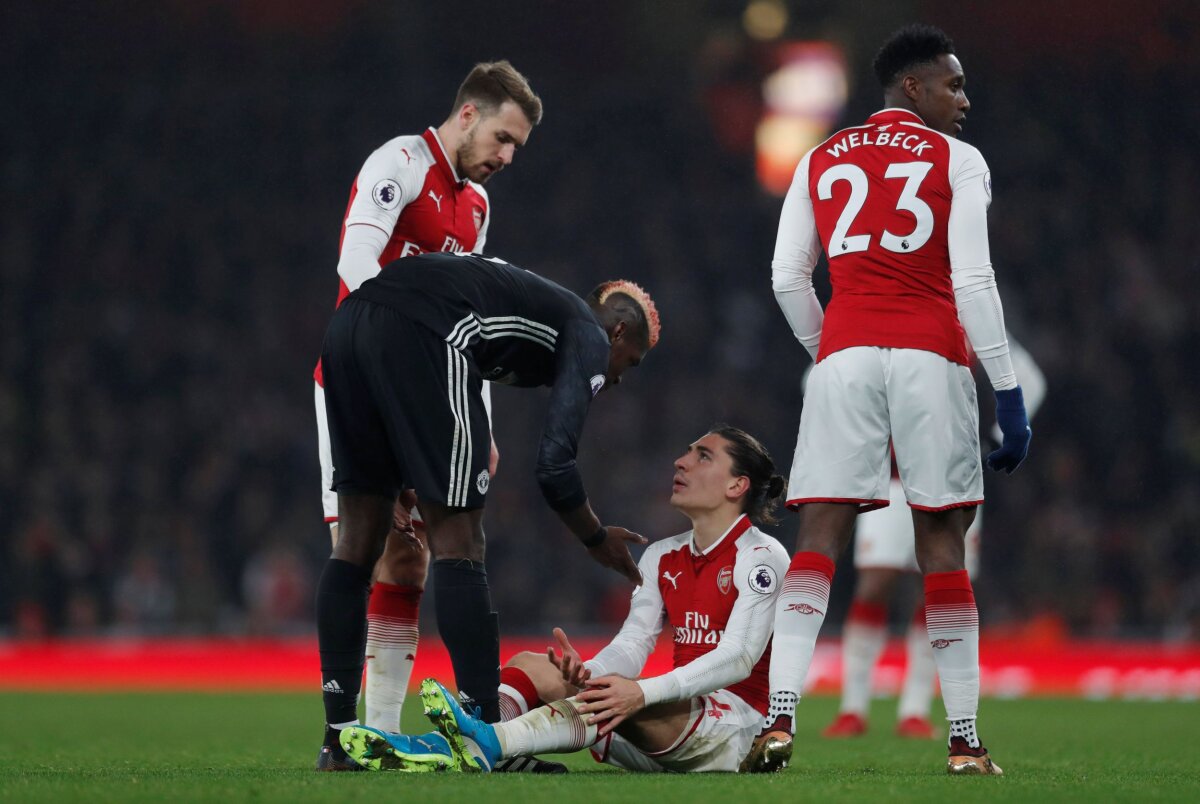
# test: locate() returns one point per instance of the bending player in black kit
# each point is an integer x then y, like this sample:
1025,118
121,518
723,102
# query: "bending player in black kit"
405,357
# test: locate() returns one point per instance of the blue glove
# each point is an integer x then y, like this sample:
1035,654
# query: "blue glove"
1014,424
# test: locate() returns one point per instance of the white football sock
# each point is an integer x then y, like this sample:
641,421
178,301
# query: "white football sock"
799,613
953,624
916,695
392,636
556,728
863,641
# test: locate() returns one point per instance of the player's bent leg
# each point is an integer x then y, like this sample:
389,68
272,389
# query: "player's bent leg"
527,681
342,615
378,750
657,729
392,625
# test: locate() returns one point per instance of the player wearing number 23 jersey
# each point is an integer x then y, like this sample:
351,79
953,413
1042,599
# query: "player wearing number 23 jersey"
899,206
901,211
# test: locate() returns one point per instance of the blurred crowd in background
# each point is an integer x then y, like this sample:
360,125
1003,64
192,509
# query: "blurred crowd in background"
174,181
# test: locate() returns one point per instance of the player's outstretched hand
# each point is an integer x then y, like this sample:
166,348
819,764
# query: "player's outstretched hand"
1014,424
570,665
613,552
610,700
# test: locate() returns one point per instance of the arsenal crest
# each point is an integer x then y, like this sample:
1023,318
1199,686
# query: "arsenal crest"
725,579
478,212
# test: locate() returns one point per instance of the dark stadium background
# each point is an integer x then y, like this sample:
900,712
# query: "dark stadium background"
174,176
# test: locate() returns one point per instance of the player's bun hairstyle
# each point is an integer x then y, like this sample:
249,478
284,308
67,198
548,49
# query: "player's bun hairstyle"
491,83
751,460
906,48
622,300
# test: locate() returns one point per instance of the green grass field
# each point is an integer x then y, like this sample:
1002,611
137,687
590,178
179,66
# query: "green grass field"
195,747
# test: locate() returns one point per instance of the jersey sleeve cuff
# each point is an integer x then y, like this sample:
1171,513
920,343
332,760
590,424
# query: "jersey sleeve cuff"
659,689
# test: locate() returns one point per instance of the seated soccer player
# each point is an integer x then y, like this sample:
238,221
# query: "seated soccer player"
715,586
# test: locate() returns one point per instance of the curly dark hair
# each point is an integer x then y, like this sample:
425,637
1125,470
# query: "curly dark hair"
751,459
911,45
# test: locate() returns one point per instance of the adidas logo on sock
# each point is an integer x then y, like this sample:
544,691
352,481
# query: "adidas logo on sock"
332,686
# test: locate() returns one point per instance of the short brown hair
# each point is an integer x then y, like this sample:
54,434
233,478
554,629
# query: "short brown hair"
491,83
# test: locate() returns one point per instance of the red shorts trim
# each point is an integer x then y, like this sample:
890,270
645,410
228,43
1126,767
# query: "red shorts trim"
329,520
969,504
602,754
863,505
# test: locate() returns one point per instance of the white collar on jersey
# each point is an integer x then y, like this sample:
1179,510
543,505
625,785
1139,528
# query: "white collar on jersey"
445,155
916,117
718,542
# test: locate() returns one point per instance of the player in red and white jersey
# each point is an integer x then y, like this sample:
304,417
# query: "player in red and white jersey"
714,587
884,552
900,206
415,194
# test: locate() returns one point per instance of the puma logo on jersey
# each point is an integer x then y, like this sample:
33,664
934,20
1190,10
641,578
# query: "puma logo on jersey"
674,584
436,199
407,155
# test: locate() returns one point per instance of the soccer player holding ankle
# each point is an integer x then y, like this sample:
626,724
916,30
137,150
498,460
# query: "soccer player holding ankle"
415,194
714,586
900,206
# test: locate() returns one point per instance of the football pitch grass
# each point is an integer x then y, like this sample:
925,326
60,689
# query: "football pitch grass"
259,747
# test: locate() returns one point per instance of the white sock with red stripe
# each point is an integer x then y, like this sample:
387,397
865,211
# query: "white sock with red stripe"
518,695
799,613
916,695
391,651
953,624
862,643
556,728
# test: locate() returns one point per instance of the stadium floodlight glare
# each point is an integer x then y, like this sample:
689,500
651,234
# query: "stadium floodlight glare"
803,99
765,20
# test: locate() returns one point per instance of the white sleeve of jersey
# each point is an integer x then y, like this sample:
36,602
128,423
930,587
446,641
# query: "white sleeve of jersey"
797,249
1033,381
361,248
390,180
626,655
975,292
758,577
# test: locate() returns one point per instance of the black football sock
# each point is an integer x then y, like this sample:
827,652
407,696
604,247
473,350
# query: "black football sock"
342,637
470,631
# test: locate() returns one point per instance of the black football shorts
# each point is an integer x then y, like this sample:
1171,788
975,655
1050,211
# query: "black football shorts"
405,409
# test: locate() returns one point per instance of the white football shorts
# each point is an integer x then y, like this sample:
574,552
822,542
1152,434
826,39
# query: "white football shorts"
329,502
884,539
720,731
859,400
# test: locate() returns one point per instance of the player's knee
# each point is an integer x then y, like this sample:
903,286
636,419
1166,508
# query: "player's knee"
403,569
529,662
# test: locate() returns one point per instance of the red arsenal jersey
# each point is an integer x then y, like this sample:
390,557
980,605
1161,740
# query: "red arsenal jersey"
719,605
881,198
410,189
